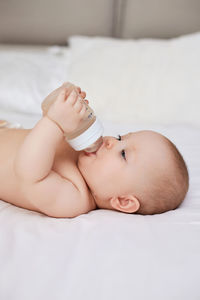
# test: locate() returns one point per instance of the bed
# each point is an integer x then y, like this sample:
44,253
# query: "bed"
149,83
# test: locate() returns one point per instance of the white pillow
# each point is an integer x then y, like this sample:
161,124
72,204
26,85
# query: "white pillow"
27,76
139,80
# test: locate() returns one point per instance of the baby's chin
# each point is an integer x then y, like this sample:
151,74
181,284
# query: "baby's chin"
86,157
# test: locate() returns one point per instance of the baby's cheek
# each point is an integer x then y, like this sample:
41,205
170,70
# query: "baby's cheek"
107,170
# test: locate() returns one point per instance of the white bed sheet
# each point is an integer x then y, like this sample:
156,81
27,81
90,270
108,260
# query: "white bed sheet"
105,254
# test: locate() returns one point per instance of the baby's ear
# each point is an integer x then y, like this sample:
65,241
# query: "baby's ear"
128,203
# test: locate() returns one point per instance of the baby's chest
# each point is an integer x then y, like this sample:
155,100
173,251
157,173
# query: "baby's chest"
66,167
65,164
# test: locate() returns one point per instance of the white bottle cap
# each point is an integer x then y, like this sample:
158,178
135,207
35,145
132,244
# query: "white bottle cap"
88,137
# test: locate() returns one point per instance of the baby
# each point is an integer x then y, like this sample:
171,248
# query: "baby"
140,172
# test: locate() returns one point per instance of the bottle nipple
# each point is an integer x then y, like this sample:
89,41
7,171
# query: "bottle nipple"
95,146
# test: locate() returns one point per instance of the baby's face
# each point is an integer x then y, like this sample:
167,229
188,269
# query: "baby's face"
123,166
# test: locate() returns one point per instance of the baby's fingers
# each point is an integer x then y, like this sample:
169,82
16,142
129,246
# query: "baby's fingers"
78,88
62,95
71,99
78,105
83,111
82,93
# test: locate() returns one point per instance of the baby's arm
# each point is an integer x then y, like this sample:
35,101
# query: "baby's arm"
35,157
47,190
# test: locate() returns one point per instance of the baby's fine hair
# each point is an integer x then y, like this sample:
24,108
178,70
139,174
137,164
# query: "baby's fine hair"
168,191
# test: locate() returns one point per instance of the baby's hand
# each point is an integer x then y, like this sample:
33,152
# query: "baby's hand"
82,94
54,94
67,111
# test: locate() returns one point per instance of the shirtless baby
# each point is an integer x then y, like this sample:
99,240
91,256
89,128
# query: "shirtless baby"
140,172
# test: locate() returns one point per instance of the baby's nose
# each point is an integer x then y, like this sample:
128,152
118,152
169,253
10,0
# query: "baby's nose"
110,142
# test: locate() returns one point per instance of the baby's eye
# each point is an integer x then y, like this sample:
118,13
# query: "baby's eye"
123,154
123,151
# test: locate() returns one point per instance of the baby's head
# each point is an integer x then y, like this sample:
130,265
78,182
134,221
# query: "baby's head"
140,172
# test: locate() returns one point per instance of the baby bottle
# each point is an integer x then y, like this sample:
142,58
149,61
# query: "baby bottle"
88,136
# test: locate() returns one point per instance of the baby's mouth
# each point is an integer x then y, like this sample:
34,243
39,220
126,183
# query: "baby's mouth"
94,152
89,153
95,146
